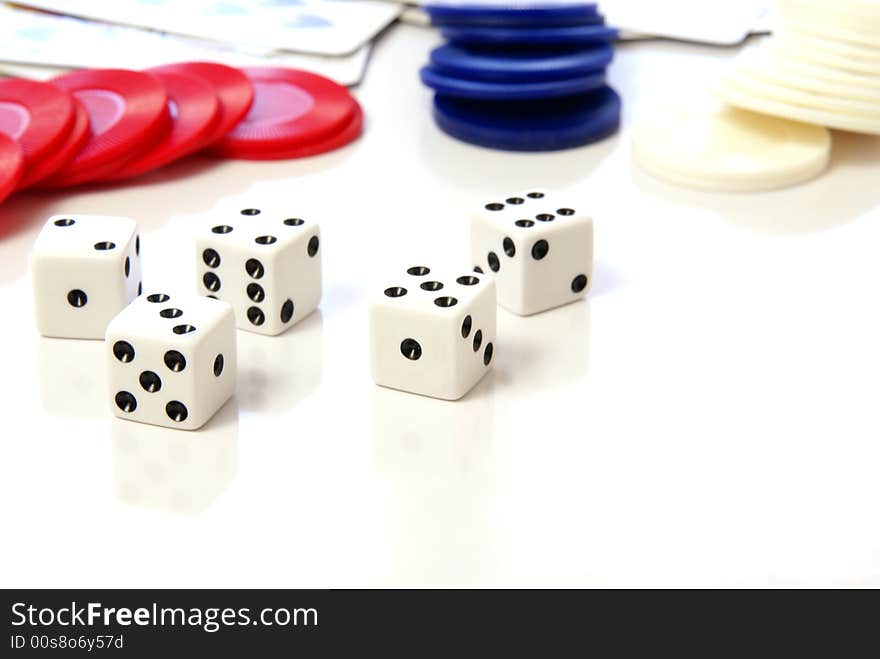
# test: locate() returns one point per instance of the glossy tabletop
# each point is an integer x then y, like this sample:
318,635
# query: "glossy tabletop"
707,417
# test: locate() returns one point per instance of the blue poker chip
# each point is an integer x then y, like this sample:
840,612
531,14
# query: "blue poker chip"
520,65
515,14
448,85
547,125
546,37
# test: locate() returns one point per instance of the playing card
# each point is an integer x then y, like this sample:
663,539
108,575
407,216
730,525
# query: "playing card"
36,45
323,27
720,22
30,71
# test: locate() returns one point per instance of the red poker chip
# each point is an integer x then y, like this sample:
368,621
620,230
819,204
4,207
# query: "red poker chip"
291,108
128,113
232,87
195,111
349,134
75,140
37,115
11,165
346,136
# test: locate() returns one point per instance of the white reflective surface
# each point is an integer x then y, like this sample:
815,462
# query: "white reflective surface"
707,417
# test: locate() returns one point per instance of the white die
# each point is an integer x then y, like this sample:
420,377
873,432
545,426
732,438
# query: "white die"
171,361
433,333
86,269
266,265
538,248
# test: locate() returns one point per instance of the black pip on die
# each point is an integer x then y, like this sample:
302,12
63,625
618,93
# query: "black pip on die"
433,333
86,269
266,265
538,248
171,362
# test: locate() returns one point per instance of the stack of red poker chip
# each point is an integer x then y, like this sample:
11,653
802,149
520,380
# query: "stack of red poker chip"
232,87
195,111
128,113
106,125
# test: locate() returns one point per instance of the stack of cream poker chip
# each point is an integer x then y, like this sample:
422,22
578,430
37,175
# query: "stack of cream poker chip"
822,66
819,70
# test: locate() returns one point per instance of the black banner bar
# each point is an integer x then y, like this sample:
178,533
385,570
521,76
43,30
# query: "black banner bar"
413,622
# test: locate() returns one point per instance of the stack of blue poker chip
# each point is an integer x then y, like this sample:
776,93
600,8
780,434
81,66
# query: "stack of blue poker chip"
524,76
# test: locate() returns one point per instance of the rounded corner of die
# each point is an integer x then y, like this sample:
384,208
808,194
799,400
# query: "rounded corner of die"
455,395
193,427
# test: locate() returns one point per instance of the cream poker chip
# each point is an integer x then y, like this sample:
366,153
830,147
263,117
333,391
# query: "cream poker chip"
729,92
794,49
829,44
776,69
707,145
861,18
817,101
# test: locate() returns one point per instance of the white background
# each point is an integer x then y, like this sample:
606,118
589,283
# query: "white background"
709,416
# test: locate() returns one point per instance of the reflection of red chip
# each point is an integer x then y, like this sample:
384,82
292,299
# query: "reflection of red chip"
11,165
128,113
231,86
195,111
291,108
76,139
36,115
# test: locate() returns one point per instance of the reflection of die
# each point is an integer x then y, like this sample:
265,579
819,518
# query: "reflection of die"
86,269
433,334
266,265
538,248
178,472
420,440
172,361
266,381
70,385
